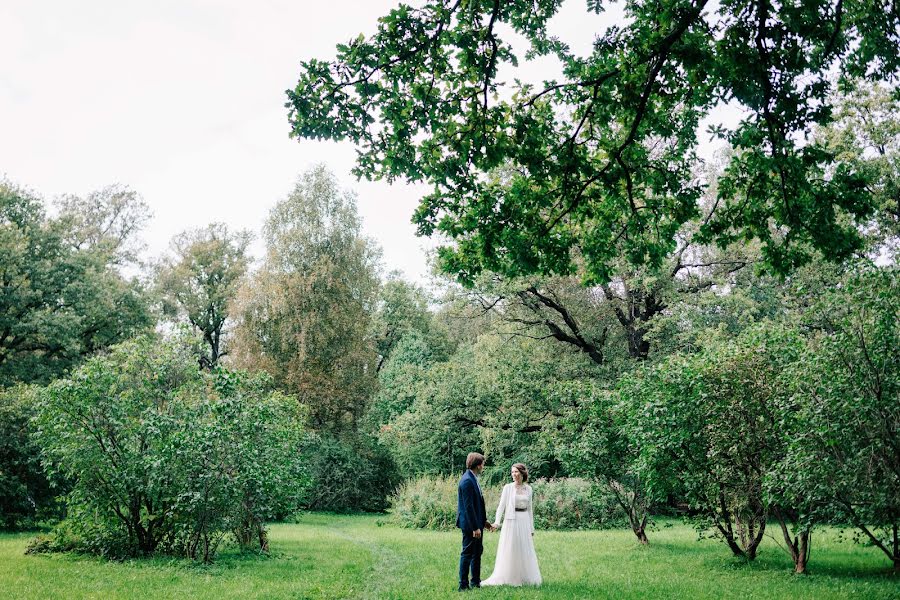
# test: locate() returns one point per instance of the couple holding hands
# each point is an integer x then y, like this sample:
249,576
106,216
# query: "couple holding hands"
516,562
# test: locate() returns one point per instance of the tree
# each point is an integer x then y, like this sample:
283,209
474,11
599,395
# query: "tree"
846,463
105,221
604,158
429,438
865,134
27,494
603,320
400,379
305,316
594,443
200,281
61,295
707,430
545,308
403,309
498,393
167,457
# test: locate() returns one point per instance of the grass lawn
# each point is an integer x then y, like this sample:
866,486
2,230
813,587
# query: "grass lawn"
327,556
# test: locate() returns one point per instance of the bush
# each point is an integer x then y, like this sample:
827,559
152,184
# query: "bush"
27,494
169,458
430,503
349,475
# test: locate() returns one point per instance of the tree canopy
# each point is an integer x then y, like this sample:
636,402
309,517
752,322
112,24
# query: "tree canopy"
603,162
62,296
201,278
304,315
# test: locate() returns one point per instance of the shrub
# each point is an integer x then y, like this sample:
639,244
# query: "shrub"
27,494
349,475
430,503
166,457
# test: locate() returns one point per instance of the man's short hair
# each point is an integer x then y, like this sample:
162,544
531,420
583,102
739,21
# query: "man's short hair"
474,459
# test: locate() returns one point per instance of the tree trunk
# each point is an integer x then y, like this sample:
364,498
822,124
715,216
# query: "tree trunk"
798,546
745,537
263,539
638,347
639,529
896,557
632,503
803,552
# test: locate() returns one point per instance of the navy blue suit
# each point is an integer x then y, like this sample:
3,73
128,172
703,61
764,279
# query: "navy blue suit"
470,515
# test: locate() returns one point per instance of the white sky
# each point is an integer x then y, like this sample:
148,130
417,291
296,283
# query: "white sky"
183,101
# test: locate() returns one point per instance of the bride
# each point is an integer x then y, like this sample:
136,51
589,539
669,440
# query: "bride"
516,560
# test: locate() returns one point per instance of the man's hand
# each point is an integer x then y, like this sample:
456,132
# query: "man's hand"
492,527
476,534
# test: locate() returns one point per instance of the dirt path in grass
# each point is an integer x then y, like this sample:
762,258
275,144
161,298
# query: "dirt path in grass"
387,564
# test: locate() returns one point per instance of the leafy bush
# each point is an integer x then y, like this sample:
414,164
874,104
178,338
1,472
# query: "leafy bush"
844,465
714,426
27,494
166,457
349,475
430,503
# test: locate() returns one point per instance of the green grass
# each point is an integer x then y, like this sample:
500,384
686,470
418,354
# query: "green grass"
327,556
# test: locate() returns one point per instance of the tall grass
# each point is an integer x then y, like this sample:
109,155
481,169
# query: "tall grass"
430,503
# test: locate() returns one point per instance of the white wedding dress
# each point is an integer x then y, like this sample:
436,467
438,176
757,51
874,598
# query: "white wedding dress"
516,562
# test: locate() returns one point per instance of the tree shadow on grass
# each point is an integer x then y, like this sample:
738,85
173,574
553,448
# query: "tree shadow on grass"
771,561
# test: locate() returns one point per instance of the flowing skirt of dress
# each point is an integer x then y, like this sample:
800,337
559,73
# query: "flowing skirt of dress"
516,562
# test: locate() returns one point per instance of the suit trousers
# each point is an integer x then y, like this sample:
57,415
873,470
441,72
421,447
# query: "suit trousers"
470,559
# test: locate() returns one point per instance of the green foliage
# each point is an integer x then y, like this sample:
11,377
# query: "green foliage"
166,457
430,503
708,430
61,296
200,281
105,221
571,503
602,162
402,311
844,464
430,438
349,475
865,135
592,441
304,316
402,376
27,494
496,395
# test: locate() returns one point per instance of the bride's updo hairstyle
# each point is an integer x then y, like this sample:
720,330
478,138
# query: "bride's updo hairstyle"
523,470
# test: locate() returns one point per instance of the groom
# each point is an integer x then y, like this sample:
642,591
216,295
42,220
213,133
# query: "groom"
472,519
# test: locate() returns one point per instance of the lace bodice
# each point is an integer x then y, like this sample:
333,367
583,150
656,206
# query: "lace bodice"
523,501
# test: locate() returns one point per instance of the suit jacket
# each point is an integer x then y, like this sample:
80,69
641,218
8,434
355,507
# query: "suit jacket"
470,511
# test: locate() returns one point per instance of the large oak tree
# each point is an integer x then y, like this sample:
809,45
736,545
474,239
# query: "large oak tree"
603,161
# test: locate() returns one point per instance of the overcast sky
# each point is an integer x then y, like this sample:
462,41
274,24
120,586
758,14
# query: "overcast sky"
183,101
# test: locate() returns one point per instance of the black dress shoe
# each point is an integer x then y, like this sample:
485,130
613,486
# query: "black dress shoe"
462,589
